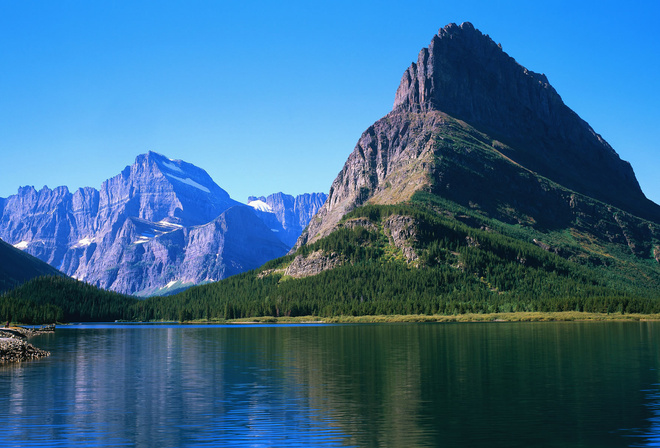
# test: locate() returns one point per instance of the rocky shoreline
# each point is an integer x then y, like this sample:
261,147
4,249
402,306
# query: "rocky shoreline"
14,346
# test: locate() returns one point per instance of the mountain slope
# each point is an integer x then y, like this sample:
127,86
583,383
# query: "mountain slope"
17,267
52,299
234,242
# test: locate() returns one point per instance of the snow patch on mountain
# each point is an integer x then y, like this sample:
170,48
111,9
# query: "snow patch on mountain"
171,225
172,167
84,242
261,206
189,181
22,245
143,239
147,230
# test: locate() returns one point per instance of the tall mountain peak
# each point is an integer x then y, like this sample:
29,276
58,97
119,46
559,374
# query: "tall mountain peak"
466,75
156,188
472,125
458,59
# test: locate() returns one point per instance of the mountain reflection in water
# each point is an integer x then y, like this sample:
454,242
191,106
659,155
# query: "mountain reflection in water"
495,385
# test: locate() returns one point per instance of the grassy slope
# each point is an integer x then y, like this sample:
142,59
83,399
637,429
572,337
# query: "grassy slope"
489,189
607,259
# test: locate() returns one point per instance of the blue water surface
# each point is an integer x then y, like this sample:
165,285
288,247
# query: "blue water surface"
490,385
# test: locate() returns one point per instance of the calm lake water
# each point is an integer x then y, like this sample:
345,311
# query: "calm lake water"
399,385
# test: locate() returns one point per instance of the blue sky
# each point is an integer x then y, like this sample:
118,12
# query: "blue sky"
273,96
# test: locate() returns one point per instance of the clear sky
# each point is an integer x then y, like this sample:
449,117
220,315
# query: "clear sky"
273,96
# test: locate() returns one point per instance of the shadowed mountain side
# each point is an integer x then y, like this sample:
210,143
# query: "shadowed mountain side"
17,267
287,215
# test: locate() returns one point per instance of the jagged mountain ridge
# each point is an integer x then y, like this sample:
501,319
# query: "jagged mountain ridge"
471,126
158,222
156,188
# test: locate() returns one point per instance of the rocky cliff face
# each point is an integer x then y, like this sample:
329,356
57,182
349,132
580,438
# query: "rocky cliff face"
144,257
472,125
466,75
390,162
156,188
159,222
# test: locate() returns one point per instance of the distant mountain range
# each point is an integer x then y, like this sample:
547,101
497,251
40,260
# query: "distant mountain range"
287,215
157,227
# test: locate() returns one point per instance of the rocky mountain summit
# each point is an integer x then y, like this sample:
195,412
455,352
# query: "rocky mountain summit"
158,225
472,125
466,75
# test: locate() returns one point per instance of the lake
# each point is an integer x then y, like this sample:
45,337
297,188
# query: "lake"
490,385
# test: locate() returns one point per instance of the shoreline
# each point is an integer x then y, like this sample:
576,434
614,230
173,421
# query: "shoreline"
560,316
517,316
15,348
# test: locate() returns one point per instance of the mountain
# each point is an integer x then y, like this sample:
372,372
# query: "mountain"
156,227
156,188
286,215
471,125
466,75
17,267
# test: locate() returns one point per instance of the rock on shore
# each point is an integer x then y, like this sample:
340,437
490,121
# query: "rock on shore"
13,350
14,347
